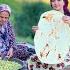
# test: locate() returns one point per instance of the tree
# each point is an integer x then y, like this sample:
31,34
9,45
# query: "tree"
30,16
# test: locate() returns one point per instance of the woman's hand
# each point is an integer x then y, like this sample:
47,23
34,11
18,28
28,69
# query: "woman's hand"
10,53
66,19
34,28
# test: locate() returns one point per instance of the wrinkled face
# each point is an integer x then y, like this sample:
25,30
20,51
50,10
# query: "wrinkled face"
57,4
4,17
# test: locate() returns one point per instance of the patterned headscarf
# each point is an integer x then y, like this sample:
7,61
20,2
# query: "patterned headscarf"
5,7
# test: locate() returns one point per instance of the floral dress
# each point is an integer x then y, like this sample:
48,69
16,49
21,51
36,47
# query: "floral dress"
7,38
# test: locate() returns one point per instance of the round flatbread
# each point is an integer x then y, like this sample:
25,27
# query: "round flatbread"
52,39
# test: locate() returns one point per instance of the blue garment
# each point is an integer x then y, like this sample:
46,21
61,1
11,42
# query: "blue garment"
2,39
7,37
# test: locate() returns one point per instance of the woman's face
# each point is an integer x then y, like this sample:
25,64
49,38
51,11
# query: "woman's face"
4,17
57,4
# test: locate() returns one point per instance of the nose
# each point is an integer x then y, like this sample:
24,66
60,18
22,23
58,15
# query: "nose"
4,19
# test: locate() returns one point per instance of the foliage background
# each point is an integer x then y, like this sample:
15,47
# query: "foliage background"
25,14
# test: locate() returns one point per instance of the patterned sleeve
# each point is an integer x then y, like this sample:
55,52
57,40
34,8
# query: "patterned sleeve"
11,36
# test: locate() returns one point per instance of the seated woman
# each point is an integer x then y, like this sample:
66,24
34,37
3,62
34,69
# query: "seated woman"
7,37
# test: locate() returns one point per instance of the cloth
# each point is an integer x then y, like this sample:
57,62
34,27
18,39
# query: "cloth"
10,40
7,37
35,64
4,7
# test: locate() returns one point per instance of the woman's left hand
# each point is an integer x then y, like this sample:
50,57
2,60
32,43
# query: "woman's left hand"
66,19
10,53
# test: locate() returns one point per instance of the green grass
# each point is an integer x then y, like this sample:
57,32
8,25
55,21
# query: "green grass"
24,39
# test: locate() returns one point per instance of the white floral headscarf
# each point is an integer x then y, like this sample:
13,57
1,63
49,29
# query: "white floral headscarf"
5,7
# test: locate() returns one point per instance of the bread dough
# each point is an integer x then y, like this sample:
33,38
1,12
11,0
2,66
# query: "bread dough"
52,39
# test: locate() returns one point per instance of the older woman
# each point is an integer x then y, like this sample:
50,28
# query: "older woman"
7,37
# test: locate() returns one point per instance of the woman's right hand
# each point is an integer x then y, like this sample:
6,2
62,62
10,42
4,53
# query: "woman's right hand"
66,19
34,28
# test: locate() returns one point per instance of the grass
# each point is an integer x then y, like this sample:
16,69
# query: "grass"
24,39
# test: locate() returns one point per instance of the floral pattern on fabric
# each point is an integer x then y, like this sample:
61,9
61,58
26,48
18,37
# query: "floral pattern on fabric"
11,35
7,37
35,64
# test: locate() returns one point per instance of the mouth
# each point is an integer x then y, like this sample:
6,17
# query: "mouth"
56,6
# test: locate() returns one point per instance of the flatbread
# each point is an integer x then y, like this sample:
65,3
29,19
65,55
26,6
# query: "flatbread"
52,39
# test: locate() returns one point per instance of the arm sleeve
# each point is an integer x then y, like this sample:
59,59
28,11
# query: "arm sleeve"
11,36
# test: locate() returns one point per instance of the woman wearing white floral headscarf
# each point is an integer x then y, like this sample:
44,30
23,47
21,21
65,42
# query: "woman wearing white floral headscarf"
7,37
